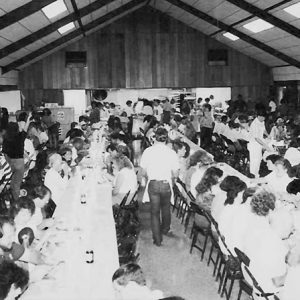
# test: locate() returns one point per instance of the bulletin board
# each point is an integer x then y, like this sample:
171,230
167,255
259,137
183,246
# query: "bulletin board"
11,100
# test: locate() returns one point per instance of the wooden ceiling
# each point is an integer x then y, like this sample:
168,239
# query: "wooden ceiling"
26,34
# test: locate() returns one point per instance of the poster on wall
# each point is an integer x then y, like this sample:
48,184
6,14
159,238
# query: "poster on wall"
11,100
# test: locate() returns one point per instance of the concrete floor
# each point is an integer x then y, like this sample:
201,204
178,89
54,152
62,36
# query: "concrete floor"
172,269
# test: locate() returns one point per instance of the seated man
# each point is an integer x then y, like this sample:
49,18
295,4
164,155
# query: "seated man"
13,280
130,284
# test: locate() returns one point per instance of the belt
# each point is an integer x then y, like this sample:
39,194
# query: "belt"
164,181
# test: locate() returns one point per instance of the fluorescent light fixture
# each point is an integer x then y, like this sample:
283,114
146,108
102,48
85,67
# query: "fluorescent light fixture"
231,36
258,25
66,28
293,10
54,9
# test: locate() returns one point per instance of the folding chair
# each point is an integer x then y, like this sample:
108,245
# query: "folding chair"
245,262
203,230
231,266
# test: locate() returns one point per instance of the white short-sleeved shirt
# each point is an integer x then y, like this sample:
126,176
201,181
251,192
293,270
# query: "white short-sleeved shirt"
56,184
256,130
129,111
159,161
148,110
266,251
277,184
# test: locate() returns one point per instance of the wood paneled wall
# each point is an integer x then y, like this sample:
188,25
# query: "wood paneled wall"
147,49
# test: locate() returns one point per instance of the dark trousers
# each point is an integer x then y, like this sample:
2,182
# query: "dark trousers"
205,136
160,196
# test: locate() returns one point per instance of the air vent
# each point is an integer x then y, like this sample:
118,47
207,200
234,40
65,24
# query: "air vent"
76,59
217,57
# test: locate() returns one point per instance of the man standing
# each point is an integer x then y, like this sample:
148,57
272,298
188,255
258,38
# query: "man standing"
160,165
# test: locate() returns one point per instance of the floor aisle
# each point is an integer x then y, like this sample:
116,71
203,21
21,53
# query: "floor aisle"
171,268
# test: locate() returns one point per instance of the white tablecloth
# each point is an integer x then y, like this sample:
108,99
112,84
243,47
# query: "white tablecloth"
90,228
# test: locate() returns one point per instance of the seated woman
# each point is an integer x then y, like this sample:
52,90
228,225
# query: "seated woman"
13,280
270,160
183,151
234,188
278,179
130,284
40,196
125,179
196,160
53,179
205,191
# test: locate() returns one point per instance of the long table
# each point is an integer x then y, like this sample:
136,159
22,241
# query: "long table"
87,247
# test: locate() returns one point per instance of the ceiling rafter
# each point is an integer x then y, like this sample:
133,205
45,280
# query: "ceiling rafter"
68,37
256,11
78,17
51,28
252,16
23,12
254,42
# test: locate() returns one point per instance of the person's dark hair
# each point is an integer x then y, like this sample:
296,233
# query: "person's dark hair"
148,118
39,192
207,100
261,112
233,125
75,133
208,106
293,187
262,202
12,131
198,156
128,102
232,185
11,274
273,158
178,144
73,125
111,147
224,119
24,203
161,134
117,136
63,150
129,272
22,116
286,165
123,150
199,100
249,192
209,179
47,112
83,119
243,118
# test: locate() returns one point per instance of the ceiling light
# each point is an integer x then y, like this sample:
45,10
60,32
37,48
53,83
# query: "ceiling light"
231,36
66,28
258,25
293,10
54,9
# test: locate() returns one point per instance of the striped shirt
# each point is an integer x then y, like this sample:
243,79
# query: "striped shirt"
5,170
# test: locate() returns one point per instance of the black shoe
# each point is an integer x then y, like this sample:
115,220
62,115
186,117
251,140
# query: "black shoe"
156,244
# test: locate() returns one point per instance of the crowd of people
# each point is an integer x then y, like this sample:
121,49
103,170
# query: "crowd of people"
257,213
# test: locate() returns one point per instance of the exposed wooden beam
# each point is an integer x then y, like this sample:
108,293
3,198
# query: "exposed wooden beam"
51,28
68,37
252,16
23,12
254,42
78,17
266,17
